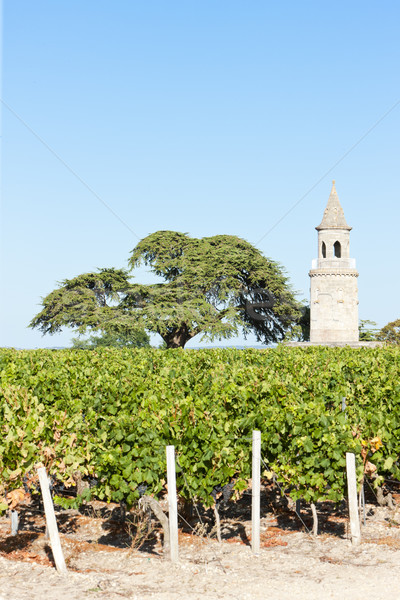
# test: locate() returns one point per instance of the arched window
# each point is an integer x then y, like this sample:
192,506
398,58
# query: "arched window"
337,249
323,248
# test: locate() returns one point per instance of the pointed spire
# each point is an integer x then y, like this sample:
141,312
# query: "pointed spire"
333,216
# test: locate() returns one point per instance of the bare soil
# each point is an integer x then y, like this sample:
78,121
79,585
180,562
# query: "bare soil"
112,557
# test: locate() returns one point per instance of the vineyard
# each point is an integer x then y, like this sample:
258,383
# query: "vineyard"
105,417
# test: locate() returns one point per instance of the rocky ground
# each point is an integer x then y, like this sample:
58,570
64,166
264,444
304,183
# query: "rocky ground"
112,558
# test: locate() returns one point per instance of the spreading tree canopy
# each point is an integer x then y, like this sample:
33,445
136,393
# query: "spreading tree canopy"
390,333
90,303
367,330
216,286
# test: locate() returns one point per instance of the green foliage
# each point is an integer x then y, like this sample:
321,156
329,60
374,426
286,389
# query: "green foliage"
301,331
138,339
390,333
209,285
367,330
109,414
74,502
92,302
85,303
31,433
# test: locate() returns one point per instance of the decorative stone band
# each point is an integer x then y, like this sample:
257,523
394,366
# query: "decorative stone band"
333,274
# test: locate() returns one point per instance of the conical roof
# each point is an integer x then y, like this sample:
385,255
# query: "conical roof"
333,216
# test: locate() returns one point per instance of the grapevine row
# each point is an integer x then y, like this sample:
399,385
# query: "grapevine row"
107,415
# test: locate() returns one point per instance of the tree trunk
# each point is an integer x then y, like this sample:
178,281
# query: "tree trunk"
178,337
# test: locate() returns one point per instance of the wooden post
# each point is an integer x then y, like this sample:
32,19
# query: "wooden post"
352,493
315,519
361,504
255,505
51,521
172,504
14,522
217,523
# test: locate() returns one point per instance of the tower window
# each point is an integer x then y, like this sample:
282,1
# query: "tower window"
323,248
337,249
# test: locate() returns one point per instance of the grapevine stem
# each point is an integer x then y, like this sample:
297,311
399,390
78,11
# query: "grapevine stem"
161,516
217,523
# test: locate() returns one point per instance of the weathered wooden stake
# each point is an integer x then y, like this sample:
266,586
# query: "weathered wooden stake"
172,503
352,493
315,519
51,522
14,522
255,505
361,504
217,523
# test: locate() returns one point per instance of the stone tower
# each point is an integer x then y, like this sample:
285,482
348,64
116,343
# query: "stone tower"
333,281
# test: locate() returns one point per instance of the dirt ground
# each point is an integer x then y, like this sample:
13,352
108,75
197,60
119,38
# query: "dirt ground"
109,557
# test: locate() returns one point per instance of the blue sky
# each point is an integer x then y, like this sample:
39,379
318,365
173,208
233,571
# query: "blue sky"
205,117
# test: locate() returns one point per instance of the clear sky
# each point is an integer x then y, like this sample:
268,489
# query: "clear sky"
211,117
